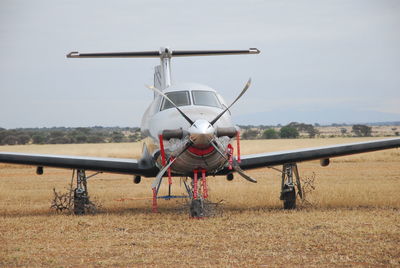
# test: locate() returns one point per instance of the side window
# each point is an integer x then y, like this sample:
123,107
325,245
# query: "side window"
180,98
205,98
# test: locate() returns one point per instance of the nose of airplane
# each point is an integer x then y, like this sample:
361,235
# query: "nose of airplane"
201,133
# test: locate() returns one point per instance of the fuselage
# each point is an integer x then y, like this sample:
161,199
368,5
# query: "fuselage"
201,104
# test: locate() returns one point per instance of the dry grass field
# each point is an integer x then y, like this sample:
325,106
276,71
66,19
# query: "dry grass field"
353,218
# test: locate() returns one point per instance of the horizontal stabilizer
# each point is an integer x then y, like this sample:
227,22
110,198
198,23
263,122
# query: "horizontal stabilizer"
163,53
140,54
187,53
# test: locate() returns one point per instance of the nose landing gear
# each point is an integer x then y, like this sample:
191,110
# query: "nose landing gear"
198,194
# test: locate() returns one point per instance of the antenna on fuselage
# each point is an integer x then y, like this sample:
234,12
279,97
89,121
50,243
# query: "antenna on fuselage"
162,74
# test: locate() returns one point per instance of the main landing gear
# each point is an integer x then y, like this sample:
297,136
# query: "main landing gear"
82,204
288,191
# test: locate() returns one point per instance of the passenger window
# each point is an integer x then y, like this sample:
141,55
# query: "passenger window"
205,98
180,98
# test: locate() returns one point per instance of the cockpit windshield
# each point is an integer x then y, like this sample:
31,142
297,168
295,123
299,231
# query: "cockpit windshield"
205,98
180,98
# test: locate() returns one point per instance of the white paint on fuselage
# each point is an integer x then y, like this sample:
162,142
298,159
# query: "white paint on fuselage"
155,121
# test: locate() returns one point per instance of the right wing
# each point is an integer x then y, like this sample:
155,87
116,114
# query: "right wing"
141,167
316,153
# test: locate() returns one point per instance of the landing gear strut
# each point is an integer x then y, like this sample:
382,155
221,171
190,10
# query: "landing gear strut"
288,191
82,204
81,197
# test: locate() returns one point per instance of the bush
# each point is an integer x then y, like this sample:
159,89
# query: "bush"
250,134
362,130
288,132
270,134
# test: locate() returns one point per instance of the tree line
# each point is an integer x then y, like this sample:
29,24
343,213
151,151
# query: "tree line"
293,130
63,135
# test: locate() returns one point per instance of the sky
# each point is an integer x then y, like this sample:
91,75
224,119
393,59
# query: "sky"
334,61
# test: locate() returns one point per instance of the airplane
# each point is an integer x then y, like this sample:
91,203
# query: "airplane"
189,133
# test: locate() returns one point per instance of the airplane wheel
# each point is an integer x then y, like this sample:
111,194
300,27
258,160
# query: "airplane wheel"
80,202
196,208
289,199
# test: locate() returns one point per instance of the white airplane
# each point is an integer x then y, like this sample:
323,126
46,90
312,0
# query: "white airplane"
189,130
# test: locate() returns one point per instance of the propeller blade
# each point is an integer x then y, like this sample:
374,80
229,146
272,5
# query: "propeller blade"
161,173
235,166
173,104
240,95
245,176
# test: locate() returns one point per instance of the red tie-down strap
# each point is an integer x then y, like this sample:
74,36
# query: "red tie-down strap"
162,151
238,146
195,184
230,154
169,171
204,183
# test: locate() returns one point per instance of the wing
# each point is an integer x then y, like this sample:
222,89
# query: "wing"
325,152
142,167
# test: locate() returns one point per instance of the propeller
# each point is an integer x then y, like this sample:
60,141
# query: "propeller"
173,104
235,166
238,97
161,173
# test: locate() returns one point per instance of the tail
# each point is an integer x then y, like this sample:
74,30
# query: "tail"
162,73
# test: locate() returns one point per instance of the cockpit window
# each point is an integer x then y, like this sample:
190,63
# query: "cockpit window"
180,98
205,98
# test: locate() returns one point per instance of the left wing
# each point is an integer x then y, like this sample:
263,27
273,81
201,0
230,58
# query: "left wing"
143,167
325,152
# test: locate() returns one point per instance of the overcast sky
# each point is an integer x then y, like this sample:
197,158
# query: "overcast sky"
320,61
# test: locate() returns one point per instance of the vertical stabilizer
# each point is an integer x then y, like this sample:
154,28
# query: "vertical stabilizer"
158,78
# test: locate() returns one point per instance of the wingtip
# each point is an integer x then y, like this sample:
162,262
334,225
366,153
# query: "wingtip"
254,50
73,54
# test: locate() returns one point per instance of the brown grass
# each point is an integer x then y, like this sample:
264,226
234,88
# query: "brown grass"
353,220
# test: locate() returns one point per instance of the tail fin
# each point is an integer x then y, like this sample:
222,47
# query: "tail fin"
158,78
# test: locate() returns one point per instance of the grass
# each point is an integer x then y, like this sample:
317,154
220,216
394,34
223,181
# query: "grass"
353,219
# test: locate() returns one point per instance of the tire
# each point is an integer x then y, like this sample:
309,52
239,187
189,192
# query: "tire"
289,199
196,209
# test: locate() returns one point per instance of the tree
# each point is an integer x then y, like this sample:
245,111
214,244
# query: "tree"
250,134
311,131
288,132
38,139
361,130
9,140
270,133
343,131
117,136
94,138
23,139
